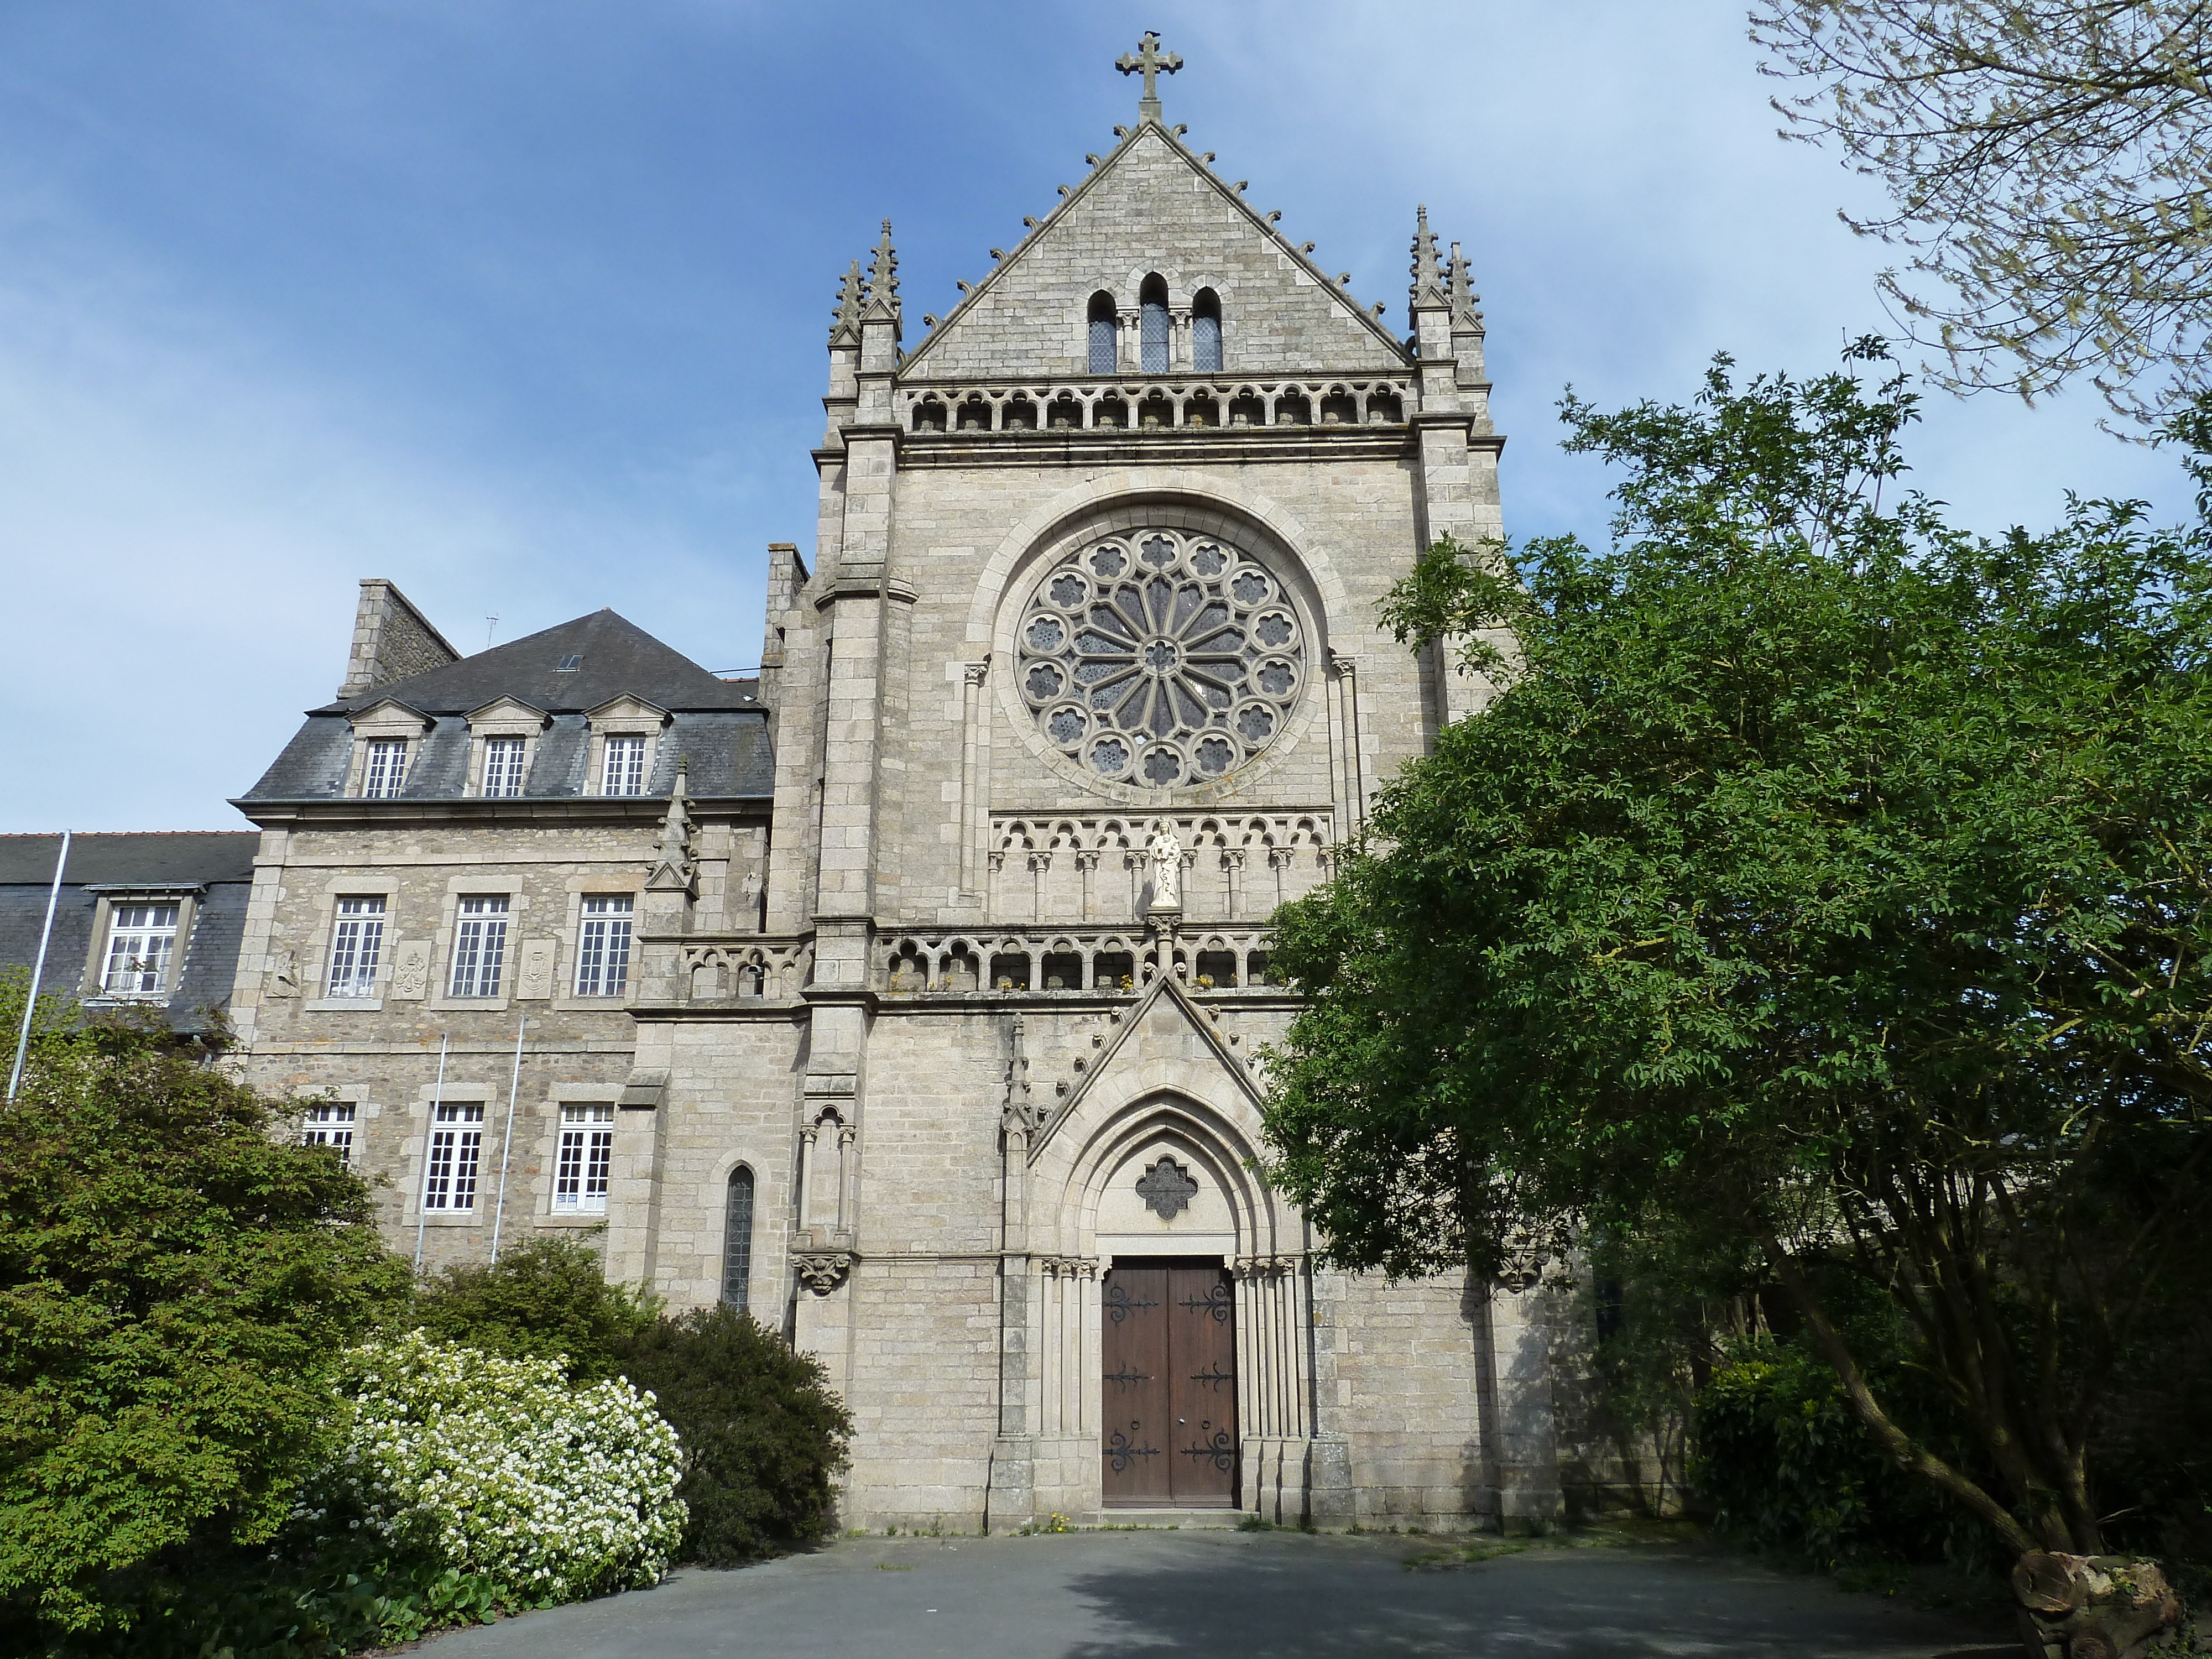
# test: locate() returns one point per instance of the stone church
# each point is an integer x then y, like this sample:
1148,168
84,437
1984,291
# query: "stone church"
914,995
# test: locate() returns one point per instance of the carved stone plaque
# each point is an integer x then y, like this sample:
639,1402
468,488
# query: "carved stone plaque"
536,980
411,969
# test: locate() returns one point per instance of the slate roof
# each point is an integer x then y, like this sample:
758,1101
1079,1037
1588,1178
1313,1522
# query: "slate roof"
218,861
618,656
718,726
187,858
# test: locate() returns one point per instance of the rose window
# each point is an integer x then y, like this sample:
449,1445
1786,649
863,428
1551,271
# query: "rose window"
1160,659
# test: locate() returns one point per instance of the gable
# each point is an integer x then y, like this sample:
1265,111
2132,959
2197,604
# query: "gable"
1150,207
1165,1027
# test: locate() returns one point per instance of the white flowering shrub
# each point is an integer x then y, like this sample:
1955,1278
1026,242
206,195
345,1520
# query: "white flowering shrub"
505,1472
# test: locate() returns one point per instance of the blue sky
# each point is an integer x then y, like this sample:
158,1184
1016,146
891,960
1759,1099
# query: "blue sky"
522,304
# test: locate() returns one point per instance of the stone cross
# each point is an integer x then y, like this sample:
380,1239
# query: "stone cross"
1148,60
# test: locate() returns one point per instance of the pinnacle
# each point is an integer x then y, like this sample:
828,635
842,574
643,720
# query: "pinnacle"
882,278
1428,282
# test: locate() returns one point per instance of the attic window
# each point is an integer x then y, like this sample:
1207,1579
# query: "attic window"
568,664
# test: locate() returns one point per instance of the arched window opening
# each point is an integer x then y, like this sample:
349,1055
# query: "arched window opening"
1152,303
1103,343
738,1241
1206,332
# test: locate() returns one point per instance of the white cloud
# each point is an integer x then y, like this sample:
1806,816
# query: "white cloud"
523,309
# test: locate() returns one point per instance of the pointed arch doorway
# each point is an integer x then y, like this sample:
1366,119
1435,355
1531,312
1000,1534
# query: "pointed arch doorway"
1168,1385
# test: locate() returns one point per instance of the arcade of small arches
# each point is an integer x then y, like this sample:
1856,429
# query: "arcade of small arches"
1151,406
1097,962
1167,338
1235,869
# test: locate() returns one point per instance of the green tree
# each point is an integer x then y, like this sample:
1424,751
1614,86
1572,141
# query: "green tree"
763,1435
546,1299
2050,167
176,1279
1819,877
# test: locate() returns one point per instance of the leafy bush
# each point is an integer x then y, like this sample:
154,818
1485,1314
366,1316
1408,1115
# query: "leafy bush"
764,1436
1785,1464
174,1284
498,1469
543,1299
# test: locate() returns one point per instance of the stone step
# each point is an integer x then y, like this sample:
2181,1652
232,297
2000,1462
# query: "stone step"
1188,1520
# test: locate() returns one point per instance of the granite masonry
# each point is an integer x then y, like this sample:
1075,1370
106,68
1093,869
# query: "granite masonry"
913,995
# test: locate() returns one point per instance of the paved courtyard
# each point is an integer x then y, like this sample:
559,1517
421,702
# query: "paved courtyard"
1087,1595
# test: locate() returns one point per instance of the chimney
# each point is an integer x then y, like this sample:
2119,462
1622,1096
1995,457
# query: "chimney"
392,641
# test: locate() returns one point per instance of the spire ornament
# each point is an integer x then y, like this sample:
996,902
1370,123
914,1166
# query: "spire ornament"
882,301
1463,296
1427,292
672,869
845,329
1149,61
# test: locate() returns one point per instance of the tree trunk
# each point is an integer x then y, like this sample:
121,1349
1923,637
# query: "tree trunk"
2094,1606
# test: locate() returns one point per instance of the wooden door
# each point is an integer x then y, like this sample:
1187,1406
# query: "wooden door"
1169,1386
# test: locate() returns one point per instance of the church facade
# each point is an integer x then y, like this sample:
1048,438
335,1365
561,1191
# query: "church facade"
914,995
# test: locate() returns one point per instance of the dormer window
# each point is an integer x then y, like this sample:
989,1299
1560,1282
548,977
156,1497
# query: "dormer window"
625,737
141,940
1206,332
502,767
1104,340
503,733
384,769
625,766
385,735
1153,318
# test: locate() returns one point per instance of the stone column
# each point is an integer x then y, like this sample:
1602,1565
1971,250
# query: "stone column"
971,817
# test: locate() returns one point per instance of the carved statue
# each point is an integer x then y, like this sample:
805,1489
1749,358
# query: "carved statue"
1167,870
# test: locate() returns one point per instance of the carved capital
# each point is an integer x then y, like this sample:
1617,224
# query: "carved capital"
975,673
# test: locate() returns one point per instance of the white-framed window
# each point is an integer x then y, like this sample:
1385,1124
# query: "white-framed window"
142,941
479,945
603,945
449,1177
623,770
384,769
503,766
587,1149
356,943
330,1123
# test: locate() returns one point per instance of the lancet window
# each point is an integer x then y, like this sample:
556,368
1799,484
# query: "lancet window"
1206,332
1102,335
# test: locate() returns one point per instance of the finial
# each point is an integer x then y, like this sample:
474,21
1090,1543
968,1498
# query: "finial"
672,869
1428,287
845,328
1463,296
883,280
1149,61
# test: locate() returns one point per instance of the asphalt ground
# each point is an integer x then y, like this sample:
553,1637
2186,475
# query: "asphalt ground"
1225,1595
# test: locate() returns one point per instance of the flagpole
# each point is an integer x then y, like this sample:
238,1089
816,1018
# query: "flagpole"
422,1188
507,1147
38,970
